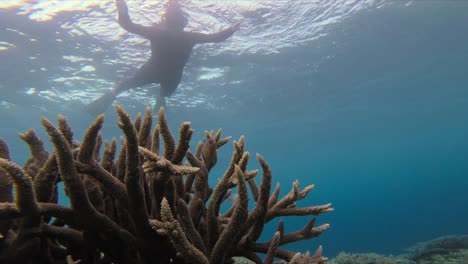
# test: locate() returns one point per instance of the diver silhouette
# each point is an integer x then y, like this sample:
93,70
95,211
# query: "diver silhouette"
171,48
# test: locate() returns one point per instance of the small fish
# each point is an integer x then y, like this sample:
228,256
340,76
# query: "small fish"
208,150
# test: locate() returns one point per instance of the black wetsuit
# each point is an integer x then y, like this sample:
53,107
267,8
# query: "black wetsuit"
170,51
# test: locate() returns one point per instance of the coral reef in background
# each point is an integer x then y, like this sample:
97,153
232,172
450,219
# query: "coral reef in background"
435,248
148,203
367,258
454,257
442,250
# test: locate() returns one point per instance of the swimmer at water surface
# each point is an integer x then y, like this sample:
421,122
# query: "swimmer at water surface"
171,48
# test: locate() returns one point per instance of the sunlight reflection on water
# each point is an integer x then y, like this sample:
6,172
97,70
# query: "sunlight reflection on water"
268,27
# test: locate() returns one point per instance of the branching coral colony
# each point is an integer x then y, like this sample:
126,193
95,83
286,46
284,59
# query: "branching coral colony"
145,206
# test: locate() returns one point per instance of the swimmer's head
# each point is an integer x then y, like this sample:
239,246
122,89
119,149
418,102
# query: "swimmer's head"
174,18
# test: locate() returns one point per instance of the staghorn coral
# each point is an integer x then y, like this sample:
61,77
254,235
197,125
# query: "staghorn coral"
143,204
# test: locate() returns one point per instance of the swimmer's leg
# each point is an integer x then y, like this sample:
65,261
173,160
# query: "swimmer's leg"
166,90
160,102
100,105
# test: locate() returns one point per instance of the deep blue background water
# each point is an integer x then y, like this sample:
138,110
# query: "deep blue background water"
380,127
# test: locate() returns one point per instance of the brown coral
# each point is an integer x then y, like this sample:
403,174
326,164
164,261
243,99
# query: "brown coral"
146,206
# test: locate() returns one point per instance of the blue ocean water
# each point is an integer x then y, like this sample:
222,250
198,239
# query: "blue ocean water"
368,100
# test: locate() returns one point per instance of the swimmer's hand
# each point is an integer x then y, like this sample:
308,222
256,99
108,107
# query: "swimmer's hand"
121,6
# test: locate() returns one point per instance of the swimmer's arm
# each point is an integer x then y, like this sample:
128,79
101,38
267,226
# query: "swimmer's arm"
215,37
126,22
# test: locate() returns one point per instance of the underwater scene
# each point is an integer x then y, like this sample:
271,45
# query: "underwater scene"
234,131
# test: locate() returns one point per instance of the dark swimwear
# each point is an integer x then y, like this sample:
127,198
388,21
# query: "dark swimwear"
170,51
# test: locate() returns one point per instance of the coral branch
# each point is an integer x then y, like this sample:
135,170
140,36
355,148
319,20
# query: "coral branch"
145,129
185,134
86,152
38,153
85,212
145,206
136,199
271,253
25,197
45,180
169,142
190,253
238,217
